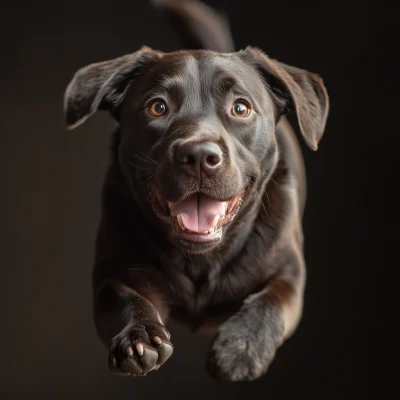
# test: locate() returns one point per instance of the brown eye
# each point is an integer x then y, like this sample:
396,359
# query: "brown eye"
240,110
157,108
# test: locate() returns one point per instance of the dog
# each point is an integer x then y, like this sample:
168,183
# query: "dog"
203,199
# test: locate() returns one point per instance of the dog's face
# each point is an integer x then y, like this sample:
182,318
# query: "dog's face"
197,130
208,123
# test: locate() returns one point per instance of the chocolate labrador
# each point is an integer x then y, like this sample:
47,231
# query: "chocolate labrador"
203,199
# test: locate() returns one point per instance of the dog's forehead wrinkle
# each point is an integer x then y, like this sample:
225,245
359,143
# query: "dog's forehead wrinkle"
169,81
190,78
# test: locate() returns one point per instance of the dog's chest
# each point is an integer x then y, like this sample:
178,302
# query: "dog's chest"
199,288
193,284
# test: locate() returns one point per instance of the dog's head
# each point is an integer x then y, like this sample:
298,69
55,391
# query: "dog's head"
198,129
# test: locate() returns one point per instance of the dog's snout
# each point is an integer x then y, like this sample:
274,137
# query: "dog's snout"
198,158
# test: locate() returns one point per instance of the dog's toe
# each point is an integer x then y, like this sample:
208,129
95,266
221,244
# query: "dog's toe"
148,360
132,366
164,352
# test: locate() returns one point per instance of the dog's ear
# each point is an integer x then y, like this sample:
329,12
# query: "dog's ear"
294,88
103,85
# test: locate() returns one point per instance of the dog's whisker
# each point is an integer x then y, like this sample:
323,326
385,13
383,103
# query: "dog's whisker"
151,176
135,166
142,159
269,201
262,203
154,161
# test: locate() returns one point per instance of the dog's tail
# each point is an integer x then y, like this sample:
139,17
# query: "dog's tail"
197,25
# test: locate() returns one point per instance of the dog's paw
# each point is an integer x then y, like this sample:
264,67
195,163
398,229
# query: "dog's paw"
140,348
245,345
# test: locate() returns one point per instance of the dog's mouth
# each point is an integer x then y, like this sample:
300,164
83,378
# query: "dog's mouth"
198,218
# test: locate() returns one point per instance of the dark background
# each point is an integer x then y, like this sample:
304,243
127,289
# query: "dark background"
51,180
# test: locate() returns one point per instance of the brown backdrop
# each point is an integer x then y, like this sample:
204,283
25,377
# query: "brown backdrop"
49,203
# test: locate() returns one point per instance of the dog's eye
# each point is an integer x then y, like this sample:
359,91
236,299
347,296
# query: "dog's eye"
157,108
240,110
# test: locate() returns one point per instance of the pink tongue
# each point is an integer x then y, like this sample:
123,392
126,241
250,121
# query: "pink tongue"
198,212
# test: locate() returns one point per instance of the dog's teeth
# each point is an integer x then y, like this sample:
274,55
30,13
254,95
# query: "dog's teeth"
211,230
215,222
180,223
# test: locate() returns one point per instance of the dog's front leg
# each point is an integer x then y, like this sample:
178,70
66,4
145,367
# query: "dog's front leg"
246,343
132,327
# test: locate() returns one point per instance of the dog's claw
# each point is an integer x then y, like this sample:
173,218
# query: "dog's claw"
157,340
167,334
139,349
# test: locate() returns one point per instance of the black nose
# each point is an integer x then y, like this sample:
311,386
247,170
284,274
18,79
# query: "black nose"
198,158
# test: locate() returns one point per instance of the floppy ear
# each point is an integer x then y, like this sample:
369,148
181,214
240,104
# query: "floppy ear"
102,86
293,87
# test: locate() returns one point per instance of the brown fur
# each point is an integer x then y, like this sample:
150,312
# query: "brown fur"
248,286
